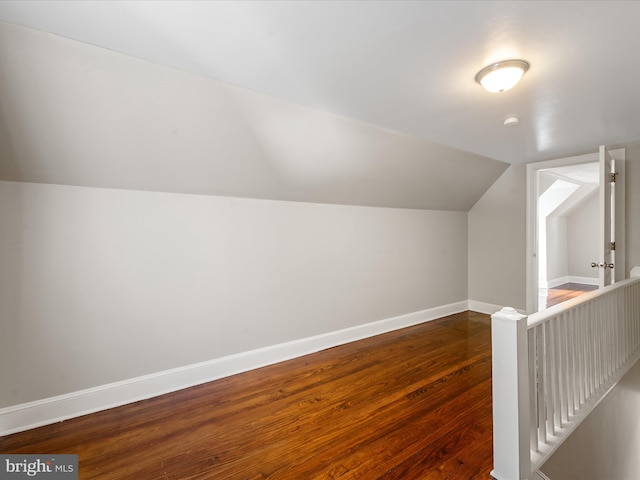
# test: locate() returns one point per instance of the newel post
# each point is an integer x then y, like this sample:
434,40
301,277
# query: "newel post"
511,450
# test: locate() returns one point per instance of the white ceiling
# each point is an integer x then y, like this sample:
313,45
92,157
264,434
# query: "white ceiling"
584,178
406,66
351,102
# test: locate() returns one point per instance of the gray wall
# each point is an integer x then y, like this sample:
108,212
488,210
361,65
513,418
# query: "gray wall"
582,237
101,285
497,229
557,248
632,188
573,241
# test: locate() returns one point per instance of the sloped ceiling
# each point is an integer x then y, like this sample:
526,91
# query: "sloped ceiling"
586,177
367,103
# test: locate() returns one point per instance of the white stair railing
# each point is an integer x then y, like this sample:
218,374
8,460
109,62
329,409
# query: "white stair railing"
552,368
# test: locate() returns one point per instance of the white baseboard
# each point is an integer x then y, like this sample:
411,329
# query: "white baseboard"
583,280
572,279
54,409
482,307
554,282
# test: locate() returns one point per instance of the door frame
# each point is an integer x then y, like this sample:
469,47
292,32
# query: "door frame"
532,192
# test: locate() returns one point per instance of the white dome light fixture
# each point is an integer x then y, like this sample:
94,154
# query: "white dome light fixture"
511,121
501,76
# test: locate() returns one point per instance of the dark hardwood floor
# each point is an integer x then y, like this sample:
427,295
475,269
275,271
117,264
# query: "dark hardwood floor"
567,291
410,404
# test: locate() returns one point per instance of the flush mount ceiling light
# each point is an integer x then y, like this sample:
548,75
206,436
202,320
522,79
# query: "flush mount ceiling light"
511,121
501,76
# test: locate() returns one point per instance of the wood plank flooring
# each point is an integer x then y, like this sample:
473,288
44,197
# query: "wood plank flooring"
410,404
567,291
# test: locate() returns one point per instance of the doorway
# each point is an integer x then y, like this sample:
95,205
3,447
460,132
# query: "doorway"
566,231
568,213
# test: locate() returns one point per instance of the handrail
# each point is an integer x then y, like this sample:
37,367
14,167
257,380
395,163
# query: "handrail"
543,315
552,368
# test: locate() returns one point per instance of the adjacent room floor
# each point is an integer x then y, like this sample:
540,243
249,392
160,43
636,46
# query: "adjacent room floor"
567,291
410,404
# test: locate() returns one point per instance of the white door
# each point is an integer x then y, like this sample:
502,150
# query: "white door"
611,252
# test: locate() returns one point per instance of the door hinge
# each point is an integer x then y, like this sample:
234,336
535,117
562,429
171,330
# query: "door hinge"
613,245
612,177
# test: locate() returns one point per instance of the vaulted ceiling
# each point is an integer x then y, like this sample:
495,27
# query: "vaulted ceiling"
368,103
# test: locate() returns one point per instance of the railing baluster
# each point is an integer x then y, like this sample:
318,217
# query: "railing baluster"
533,381
595,348
607,335
542,404
615,347
612,326
573,385
591,342
551,376
622,308
582,373
564,377
602,349
557,387
620,344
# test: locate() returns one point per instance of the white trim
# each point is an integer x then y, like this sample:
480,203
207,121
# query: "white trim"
555,282
583,280
571,279
482,307
54,409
